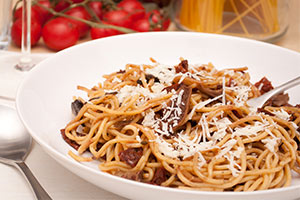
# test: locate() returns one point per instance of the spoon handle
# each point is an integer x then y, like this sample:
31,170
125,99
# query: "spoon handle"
38,190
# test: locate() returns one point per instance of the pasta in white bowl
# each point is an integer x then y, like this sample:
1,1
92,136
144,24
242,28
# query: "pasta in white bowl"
210,141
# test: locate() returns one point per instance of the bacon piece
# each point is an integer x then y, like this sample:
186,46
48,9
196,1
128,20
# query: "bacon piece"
174,86
72,143
179,110
160,176
278,100
182,67
185,103
131,156
264,85
76,106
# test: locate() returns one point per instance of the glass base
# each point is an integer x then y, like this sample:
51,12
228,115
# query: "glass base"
4,45
24,66
10,77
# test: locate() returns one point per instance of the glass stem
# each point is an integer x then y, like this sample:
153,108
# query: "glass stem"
25,62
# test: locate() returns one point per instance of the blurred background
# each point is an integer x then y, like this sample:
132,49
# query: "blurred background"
276,21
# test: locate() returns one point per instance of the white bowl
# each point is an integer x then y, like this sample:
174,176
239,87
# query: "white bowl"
44,98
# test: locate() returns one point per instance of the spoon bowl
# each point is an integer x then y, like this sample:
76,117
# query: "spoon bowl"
15,143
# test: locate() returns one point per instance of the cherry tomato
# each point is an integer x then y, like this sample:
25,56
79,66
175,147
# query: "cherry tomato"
103,32
157,18
60,33
154,21
45,15
96,6
77,1
165,25
80,12
134,7
61,5
118,18
141,25
16,32
35,15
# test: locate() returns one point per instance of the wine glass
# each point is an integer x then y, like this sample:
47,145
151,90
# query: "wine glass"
14,65
25,61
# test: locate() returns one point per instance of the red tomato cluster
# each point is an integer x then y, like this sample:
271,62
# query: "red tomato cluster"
61,32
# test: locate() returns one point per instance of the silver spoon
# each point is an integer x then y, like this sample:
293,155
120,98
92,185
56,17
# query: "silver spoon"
15,143
261,100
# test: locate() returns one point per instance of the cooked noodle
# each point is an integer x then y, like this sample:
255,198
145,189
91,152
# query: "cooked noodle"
186,126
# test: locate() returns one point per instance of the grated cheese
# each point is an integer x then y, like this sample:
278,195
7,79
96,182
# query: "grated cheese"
232,163
149,118
222,126
270,143
109,91
138,138
166,148
250,130
226,147
242,94
231,155
205,129
157,87
164,73
295,126
282,114
201,160
184,146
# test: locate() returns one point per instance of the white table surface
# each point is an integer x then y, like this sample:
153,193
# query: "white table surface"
56,180
59,182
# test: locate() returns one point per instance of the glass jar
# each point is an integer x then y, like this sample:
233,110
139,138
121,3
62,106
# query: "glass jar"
264,20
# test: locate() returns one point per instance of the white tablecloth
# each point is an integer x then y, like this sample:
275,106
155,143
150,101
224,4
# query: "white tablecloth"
57,181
